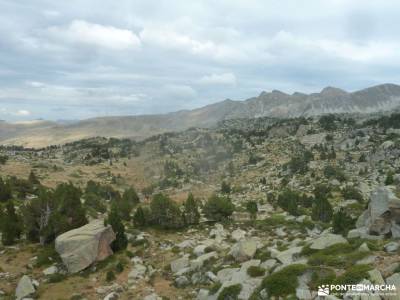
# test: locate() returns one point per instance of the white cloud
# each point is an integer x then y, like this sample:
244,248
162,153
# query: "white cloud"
170,39
85,33
22,113
222,79
180,91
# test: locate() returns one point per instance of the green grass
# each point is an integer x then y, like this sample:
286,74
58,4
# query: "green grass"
284,282
47,256
255,271
230,292
214,288
354,274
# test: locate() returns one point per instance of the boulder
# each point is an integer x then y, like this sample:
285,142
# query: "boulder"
327,240
394,280
383,214
50,271
199,262
244,249
392,247
81,247
238,234
179,264
24,288
289,256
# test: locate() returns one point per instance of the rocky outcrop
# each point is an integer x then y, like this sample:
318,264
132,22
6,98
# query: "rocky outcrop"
81,247
382,216
327,240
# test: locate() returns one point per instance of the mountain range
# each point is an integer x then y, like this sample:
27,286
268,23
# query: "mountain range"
40,133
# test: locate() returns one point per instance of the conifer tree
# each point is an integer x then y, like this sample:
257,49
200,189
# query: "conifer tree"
139,218
191,212
10,225
114,220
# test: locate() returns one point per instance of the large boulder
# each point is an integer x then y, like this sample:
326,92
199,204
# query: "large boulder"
81,247
383,214
24,288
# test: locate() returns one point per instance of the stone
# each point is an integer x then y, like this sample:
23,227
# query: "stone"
24,288
199,250
179,264
392,247
152,296
244,249
199,262
181,281
210,275
394,280
218,232
226,274
81,247
50,271
289,256
112,296
376,277
136,273
364,248
327,240
186,244
303,294
269,264
238,234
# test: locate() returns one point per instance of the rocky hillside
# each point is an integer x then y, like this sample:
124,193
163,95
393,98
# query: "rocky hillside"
275,104
250,209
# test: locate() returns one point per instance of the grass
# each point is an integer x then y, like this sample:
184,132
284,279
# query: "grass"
284,282
47,256
354,274
214,288
338,255
230,292
255,271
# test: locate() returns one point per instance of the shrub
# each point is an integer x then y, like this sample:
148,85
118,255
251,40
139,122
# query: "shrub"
342,222
118,227
354,274
255,271
214,288
225,188
288,200
218,208
350,192
119,268
252,209
284,282
110,276
54,278
230,292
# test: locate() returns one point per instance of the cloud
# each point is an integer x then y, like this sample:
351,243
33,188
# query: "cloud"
84,33
22,113
180,91
219,79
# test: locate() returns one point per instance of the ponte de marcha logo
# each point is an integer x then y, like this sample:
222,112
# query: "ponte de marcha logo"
325,290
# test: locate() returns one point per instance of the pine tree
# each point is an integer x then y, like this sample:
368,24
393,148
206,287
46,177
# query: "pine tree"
322,210
5,191
389,179
114,219
342,222
126,203
11,226
33,178
191,212
139,218
165,213
225,188
252,209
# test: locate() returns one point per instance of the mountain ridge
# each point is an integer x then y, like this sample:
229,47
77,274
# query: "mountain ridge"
275,104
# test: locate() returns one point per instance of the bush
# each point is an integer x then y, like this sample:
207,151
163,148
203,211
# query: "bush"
47,256
214,288
288,200
284,282
350,192
255,271
54,278
191,212
342,222
354,274
230,292
218,208
110,276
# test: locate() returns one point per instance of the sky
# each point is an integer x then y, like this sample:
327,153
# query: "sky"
77,59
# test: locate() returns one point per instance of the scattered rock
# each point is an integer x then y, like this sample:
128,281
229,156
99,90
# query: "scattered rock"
238,234
181,281
50,271
289,256
392,247
112,296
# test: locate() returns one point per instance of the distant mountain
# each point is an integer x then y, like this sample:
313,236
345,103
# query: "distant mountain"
274,104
